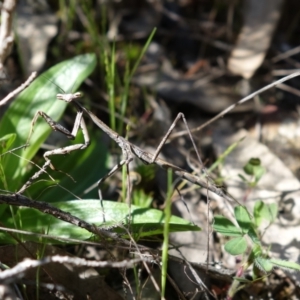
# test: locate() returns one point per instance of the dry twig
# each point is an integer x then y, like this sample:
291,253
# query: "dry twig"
231,107
6,32
19,200
10,275
19,89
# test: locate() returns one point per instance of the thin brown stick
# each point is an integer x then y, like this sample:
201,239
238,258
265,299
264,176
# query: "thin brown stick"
22,87
231,107
20,200
6,32
285,54
11,275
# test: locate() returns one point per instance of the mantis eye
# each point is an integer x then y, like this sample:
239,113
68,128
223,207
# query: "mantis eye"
77,95
68,97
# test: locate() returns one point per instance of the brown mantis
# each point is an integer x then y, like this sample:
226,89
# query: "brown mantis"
129,150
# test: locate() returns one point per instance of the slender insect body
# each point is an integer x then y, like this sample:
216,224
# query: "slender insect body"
139,153
129,150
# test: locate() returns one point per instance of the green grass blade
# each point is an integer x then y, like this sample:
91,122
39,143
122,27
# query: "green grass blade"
165,246
142,53
222,157
5,143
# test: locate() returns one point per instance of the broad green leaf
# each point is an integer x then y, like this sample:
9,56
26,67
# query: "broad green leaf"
144,222
253,163
254,168
243,218
259,171
263,264
85,166
40,95
260,211
264,211
226,227
236,246
288,265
